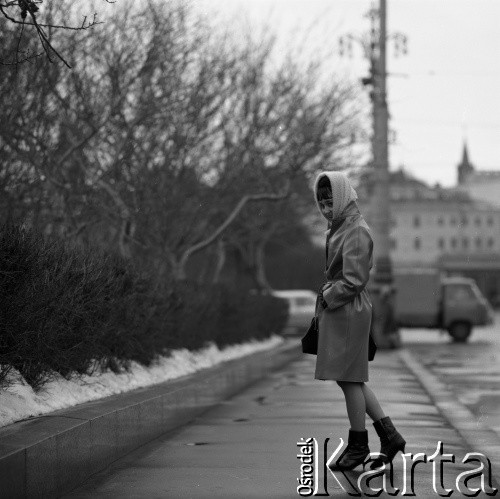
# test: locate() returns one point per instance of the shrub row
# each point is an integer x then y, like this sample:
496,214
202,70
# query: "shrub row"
70,311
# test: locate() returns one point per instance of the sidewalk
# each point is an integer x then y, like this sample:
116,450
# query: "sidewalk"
246,446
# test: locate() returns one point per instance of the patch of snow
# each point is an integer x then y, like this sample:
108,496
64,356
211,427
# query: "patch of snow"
19,401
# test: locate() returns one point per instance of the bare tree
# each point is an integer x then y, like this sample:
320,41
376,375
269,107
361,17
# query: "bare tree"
167,140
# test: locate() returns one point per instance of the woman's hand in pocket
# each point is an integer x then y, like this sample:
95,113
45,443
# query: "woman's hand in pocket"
322,300
325,286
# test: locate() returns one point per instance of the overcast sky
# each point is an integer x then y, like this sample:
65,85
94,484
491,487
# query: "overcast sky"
446,88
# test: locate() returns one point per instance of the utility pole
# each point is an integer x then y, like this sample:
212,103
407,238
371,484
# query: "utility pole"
380,151
381,285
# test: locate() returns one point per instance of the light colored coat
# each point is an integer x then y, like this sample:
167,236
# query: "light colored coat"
344,326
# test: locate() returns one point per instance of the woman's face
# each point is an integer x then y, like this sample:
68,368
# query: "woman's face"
326,207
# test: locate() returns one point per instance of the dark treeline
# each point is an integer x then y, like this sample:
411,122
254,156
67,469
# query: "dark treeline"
176,149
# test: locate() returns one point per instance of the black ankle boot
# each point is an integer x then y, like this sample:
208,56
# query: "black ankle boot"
391,441
355,453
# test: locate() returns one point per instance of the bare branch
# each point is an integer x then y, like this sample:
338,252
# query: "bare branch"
45,41
76,146
20,61
29,7
57,26
243,201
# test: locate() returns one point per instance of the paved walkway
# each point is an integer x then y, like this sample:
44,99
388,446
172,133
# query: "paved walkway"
246,447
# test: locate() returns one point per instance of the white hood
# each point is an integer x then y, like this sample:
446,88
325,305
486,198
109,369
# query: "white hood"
342,191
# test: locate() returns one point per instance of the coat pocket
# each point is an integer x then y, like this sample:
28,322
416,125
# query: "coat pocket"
336,321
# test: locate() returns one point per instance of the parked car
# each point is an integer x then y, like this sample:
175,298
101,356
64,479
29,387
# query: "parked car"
425,298
301,307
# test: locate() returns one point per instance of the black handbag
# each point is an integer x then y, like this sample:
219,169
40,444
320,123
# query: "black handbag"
310,339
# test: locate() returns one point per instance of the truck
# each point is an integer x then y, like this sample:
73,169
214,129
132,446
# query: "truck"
426,298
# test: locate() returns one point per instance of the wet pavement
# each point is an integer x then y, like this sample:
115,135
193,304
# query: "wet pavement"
247,446
470,370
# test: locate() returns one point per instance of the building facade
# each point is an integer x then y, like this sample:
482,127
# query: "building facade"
424,231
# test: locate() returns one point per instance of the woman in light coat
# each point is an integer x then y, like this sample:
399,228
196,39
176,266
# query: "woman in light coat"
344,315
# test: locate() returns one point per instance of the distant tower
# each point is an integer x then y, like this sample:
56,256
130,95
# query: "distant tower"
465,167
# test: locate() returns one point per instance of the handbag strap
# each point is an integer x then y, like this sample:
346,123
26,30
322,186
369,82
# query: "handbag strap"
316,306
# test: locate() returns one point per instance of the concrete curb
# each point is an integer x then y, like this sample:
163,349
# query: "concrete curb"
50,455
478,436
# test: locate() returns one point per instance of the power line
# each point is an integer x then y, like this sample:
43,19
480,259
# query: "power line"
445,74
415,164
445,123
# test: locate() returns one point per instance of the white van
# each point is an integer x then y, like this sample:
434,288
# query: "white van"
301,307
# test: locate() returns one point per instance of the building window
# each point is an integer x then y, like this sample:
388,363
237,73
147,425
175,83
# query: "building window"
479,242
416,243
440,221
463,221
393,222
465,243
478,222
453,221
441,243
491,242
393,243
490,221
453,243
416,221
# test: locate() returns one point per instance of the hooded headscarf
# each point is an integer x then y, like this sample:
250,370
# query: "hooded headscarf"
342,191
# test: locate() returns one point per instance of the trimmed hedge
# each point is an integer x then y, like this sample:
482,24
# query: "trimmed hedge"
72,311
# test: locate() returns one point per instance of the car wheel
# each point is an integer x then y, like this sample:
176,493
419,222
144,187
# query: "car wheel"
460,331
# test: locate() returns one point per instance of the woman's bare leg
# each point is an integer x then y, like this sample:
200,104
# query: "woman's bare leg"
373,408
355,402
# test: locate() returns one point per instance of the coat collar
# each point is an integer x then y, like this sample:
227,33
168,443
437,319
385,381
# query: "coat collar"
351,210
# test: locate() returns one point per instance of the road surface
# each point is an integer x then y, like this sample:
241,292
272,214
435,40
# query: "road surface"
471,370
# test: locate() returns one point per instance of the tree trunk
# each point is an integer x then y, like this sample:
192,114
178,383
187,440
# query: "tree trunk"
127,231
221,260
260,269
247,256
178,267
